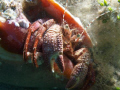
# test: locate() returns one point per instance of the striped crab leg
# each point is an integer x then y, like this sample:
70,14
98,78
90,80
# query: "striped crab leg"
40,28
31,30
46,25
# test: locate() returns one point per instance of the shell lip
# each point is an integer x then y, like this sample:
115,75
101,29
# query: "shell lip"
57,11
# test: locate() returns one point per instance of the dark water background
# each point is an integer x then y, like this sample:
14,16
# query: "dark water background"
12,87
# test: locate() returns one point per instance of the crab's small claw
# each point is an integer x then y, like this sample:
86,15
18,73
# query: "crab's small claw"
78,76
80,70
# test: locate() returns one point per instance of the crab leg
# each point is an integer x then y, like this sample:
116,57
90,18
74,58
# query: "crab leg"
41,30
31,29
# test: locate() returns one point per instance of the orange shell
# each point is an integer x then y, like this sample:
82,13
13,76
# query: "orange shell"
56,10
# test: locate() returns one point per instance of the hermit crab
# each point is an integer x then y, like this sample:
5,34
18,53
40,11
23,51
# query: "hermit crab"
57,37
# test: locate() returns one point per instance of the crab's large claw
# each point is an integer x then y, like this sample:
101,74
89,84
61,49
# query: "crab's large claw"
53,46
80,70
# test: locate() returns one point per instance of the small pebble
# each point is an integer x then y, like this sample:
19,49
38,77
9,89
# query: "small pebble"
9,14
118,73
2,19
23,23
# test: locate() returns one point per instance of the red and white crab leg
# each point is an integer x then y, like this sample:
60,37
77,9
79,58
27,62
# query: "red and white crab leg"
41,31
31,30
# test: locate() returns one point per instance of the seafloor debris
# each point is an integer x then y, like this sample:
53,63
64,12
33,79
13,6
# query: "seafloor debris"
12,10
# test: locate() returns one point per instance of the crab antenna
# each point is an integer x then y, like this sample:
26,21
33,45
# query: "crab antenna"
65,11
96,18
